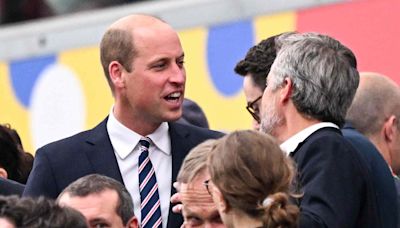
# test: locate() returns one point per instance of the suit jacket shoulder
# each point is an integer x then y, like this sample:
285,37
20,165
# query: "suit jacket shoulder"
383,186
10,187
335,183
59,163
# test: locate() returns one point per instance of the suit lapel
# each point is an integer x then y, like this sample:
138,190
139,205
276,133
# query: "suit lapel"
180,146
101,153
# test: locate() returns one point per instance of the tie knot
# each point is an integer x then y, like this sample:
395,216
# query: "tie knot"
145,142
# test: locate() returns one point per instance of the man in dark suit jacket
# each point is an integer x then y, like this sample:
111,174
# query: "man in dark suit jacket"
309,88
143,61
384,183
9,187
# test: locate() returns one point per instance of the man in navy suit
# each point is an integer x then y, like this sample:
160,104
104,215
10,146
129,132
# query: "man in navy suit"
143,61
310,86
375,112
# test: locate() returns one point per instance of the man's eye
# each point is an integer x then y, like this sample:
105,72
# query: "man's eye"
160,65
194,221
100,225
181,63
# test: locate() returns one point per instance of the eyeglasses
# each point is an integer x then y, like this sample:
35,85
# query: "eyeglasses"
207,185
254,111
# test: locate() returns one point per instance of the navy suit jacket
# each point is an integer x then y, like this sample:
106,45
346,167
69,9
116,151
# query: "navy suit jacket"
335,182
383,181
58,164
397,183
10,187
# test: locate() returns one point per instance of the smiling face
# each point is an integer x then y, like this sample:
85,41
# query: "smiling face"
152,92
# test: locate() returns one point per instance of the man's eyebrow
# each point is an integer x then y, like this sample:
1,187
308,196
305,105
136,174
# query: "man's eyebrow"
215,215
97,220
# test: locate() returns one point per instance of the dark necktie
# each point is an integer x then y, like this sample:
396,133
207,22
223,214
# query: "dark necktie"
148,187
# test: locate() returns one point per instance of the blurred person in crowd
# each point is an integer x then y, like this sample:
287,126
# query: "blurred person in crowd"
251,187
102,200
255,68
375,113
309,88
193,114
198,208
15,164
18,212
143,61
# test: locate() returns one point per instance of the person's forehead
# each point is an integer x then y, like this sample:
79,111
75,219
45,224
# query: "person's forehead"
196,196
103,201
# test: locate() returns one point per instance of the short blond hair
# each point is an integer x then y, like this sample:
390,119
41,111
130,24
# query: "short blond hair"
195,162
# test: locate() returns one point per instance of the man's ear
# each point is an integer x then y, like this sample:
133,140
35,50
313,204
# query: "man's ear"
132,223
389,129
3,173
115,70
287,89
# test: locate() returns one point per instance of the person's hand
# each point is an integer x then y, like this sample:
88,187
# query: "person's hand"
176,199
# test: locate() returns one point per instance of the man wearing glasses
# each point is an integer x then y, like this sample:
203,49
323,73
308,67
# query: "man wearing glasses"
255,68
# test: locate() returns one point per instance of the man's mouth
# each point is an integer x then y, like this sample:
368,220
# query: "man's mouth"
173,96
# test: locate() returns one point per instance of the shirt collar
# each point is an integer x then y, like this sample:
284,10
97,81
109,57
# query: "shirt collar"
124,140
291,144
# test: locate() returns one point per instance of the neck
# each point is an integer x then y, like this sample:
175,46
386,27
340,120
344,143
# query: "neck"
136,123
293,123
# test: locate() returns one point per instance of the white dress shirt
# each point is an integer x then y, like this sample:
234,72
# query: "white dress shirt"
291,144
125,143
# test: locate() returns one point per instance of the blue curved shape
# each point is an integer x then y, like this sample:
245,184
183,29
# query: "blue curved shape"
228,44
24,74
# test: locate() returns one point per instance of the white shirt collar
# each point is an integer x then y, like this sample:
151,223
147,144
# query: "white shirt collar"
291,144
124,140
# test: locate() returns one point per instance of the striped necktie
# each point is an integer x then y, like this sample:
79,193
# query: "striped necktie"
148,187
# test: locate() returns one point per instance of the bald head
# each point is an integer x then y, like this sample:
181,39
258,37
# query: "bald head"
376,99
118,43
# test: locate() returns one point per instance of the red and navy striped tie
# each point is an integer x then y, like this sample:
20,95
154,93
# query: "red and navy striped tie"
148,187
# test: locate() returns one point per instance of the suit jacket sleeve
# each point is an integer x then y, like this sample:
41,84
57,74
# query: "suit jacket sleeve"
329,174
41,181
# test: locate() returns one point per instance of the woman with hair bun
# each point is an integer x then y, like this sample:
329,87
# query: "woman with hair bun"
250,181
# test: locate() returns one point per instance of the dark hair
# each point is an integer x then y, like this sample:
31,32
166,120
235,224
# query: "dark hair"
96,183
256,178
11,158
116,45
258,61
39,213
